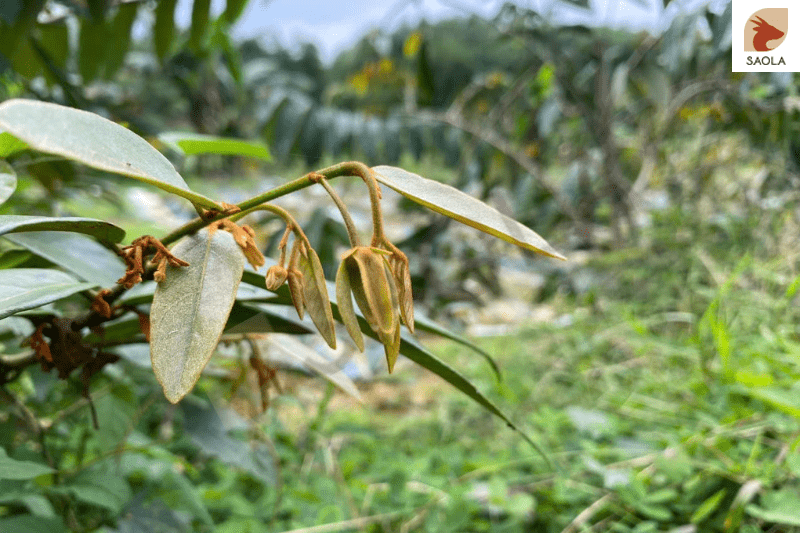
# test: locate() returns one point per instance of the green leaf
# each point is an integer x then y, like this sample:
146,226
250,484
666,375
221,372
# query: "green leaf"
93,47
120,36
8,181
179,494
196,143
97,9
455,204
13,469
164,27
708,506
199,23
28,288
426,324
315,295
115,412
233,10
263,318
54,45
104,231
191,307
94,141
28,523
779,507
10,145
13,258
204,425
101,487
783,399
417,353
83,256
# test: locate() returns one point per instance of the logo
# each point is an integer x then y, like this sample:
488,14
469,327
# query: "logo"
765,36
766,30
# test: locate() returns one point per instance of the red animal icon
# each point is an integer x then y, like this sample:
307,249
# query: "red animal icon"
765,32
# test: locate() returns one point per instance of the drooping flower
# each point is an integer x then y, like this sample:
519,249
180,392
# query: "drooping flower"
365,273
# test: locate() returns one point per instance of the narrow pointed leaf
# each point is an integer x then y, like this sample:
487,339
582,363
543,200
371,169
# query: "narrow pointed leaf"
315,295
191,307
263,318
120,36
104,231
455,204
345,301
164,28
428,325
233,10
94,141
8,181
197,143
28,288
80,255
197,32
417,353
93,48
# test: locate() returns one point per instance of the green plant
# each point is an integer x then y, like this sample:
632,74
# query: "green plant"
59,287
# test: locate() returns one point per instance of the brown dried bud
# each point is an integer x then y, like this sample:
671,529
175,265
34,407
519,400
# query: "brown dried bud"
365,273
276,276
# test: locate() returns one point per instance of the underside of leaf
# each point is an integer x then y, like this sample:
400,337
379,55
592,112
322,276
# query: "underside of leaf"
191,307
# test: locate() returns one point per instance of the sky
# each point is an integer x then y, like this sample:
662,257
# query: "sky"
335,25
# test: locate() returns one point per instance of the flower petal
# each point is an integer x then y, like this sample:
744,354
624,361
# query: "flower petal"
315,294
345,302
373,290
295,278
402,278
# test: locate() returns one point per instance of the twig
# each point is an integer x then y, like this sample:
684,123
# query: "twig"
587,514
344,525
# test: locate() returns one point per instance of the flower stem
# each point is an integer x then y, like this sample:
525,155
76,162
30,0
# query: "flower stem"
352,233
291,223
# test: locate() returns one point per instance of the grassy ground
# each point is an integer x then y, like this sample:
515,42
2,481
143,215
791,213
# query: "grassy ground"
665,400
664,396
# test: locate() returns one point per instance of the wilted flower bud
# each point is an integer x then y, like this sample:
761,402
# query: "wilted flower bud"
365,274
402,278
295,278
276,276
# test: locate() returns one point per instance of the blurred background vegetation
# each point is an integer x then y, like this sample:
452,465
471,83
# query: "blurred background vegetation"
658,367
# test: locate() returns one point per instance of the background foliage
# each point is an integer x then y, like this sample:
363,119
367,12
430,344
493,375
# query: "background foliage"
662,382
